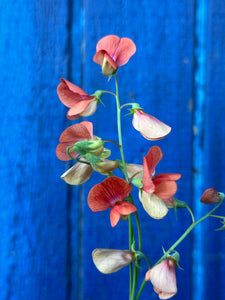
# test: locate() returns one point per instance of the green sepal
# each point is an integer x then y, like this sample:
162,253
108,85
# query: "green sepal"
98,94
93,159
138,182
106,153
221,196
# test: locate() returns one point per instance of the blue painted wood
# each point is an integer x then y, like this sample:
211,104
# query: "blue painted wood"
33,212
209,260
48,231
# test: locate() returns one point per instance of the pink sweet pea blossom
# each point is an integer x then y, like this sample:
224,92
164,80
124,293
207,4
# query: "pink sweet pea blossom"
110,194
79,132
113,52
158,190
150,127
210,196
79,102
163,278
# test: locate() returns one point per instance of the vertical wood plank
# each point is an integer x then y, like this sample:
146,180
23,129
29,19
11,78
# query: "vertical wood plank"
159,77
209,261
33,246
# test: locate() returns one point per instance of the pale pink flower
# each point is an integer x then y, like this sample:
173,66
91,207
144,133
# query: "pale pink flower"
163,278
150,127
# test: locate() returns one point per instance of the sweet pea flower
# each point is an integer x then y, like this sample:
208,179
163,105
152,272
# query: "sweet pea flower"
113,52
210,196
150,128
79,132
108,261
79,102
110,194
163,278
78,174
158,190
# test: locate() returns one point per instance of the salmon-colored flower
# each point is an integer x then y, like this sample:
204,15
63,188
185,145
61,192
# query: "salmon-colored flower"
113,52
78,132
158,190
210,196
111,193
150,127
163,278
79,102
108,261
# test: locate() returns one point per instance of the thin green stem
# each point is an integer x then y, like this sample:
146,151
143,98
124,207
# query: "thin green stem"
219,217
141,289
187,232
109,141
126,104
191,213
108,92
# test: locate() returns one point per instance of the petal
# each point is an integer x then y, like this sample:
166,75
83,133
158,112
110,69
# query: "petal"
150,127
149,163
163,278
69,93
125,208
76,132
168,176
154,206
133,169
91,108
125,50
106,165
114,216
165,189
210,196
99,59
78,174
61,152
108,43
105,194
111,260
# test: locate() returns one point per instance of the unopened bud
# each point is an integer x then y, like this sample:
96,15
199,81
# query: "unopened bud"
95,147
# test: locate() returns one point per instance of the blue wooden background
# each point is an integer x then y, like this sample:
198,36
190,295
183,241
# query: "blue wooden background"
177,74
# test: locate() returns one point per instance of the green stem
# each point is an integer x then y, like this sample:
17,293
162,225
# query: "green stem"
141,289
108,92
187,232
219,217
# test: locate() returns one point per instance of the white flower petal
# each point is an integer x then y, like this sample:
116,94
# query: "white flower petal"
78,174
153,205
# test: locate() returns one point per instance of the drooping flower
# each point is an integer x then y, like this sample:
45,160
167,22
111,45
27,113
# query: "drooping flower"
78,174
163,278
108,261
111,193
158,190
210,196
81,172
79,132
79,102
149,127
113,52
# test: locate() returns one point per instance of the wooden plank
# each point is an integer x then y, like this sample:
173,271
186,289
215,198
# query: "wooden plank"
211,145
159,77
33,208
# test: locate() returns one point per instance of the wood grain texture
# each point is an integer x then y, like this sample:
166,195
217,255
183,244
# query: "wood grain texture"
33,214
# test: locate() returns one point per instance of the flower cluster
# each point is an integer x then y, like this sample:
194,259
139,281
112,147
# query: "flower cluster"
156,191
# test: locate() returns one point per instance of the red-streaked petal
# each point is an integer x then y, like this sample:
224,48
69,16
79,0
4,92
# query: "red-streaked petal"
108,43
149,163
114,216
168,177
105,194
150,127
165,189
76,132
125,208
61,152
125,50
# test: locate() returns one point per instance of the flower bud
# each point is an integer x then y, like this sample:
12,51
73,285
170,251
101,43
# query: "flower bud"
110,260
105,165
95,147
210,196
